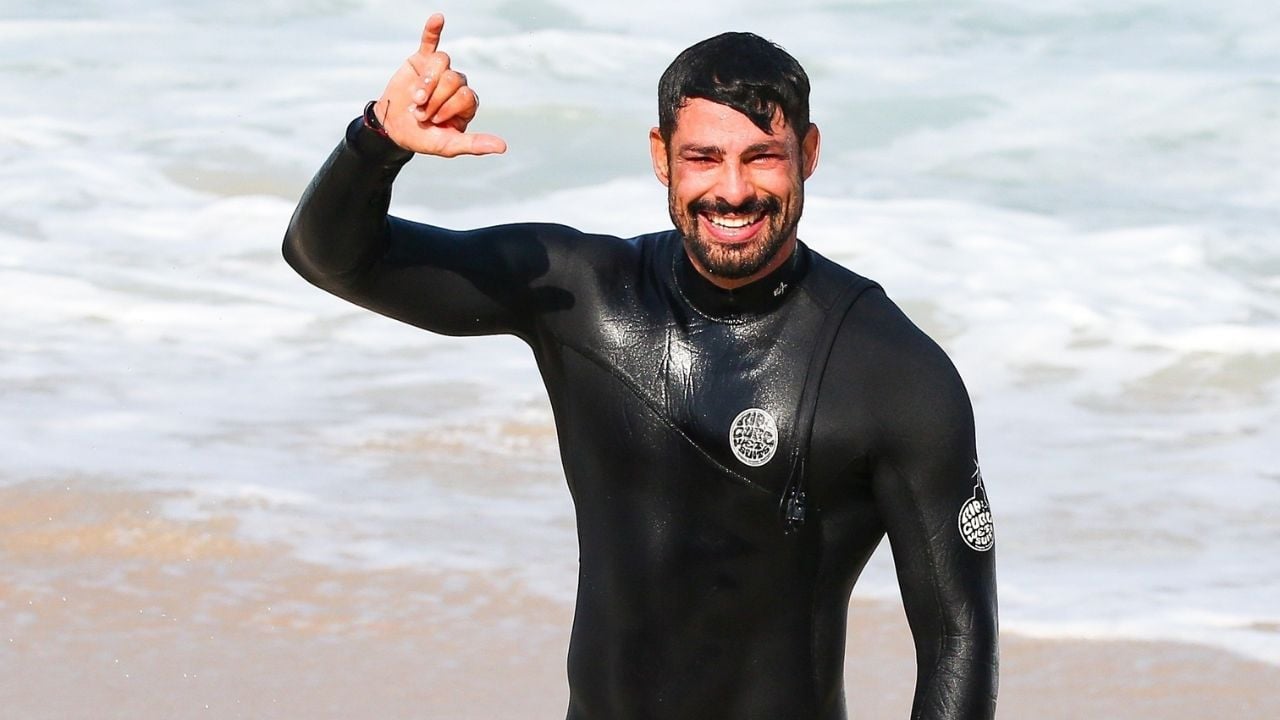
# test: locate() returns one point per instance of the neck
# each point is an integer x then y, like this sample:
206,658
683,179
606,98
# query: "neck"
757,295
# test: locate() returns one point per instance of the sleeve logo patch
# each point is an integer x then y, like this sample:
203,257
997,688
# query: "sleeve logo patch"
753,437
976,527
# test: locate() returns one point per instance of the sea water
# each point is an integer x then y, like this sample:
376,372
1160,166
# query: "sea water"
1078,199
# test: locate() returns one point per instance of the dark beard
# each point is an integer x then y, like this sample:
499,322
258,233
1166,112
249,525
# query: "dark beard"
734,262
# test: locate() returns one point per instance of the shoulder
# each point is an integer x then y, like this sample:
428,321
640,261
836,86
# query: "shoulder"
874,330
878,330
899,376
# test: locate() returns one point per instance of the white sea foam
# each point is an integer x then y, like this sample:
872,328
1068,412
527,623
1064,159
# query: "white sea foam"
1077,202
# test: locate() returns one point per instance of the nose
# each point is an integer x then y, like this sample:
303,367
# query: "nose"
733,184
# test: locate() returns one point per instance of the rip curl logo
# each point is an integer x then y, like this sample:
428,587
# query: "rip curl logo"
976,527
753,437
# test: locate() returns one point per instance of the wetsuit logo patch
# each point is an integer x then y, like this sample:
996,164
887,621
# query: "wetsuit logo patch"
976,526
753,437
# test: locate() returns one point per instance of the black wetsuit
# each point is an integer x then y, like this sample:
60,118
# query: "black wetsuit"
697,598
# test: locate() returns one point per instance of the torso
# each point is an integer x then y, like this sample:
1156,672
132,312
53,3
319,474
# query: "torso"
693,601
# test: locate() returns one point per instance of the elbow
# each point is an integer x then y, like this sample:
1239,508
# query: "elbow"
979,646
300,251
294,254
983,629
959,670
979,680
962,685
296,257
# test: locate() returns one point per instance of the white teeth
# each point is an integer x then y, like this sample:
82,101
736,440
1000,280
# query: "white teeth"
732,222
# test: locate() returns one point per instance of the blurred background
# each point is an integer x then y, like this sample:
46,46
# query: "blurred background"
1078,199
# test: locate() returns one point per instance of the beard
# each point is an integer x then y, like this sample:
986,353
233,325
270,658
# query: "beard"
739,260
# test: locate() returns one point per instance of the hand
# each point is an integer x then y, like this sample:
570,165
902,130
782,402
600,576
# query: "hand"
427,104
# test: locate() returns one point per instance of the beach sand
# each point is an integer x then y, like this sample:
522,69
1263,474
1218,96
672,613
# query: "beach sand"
108,610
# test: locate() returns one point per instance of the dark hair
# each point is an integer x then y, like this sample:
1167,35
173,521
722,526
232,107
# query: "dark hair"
743,71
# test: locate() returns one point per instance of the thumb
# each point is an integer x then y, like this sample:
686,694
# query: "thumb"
474,144
486,144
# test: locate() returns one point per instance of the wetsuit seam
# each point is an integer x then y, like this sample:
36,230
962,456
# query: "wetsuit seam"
632,386
836,310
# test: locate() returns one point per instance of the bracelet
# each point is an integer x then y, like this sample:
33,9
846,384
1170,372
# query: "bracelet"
371,120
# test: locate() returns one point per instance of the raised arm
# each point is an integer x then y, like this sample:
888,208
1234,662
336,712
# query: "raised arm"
341,239
928,489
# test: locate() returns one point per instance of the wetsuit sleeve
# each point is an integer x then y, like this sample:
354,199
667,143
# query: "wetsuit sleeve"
453,282
928,490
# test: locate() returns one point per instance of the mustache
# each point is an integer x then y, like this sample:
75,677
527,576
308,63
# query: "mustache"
719,206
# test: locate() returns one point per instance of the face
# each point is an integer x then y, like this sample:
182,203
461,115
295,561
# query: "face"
734,191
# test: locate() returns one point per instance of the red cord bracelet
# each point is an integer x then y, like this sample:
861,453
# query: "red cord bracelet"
371,120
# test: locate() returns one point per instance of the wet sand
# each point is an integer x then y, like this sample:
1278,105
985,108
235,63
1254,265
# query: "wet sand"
109,611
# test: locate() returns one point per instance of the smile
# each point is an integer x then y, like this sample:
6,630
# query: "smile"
732,229
733,222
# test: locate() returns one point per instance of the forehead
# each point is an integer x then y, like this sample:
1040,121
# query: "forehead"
701,122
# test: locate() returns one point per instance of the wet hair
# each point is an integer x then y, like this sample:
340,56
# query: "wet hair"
742,71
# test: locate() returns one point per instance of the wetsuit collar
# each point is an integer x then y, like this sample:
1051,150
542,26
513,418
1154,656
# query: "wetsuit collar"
757,298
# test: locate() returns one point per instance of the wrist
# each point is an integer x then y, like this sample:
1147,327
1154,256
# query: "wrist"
371,120
377,147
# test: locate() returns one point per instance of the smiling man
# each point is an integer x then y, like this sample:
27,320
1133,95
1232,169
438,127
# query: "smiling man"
732,158
741,421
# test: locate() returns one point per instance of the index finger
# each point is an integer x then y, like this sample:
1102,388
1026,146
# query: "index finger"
431,34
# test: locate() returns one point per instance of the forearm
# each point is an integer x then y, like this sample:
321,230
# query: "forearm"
339,229
949,593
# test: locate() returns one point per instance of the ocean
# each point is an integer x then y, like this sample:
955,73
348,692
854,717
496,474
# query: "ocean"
1079,200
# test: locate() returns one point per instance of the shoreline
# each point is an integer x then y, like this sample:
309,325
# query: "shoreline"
108,610
1066,678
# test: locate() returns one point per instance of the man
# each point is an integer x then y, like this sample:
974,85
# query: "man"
740,420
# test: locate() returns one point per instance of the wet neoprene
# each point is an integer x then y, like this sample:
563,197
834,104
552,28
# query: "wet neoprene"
734,457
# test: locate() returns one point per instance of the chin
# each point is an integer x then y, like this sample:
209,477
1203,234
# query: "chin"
733,261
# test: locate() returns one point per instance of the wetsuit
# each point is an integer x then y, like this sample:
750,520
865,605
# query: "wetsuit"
734,457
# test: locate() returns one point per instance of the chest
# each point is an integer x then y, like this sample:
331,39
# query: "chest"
733,389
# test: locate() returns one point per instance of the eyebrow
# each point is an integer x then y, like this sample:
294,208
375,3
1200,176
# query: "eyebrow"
700,150
776,146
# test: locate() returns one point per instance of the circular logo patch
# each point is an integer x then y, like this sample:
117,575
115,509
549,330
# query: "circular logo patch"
975,522
753,437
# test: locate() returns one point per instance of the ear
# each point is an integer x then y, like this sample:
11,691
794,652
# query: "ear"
658,151
810,147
